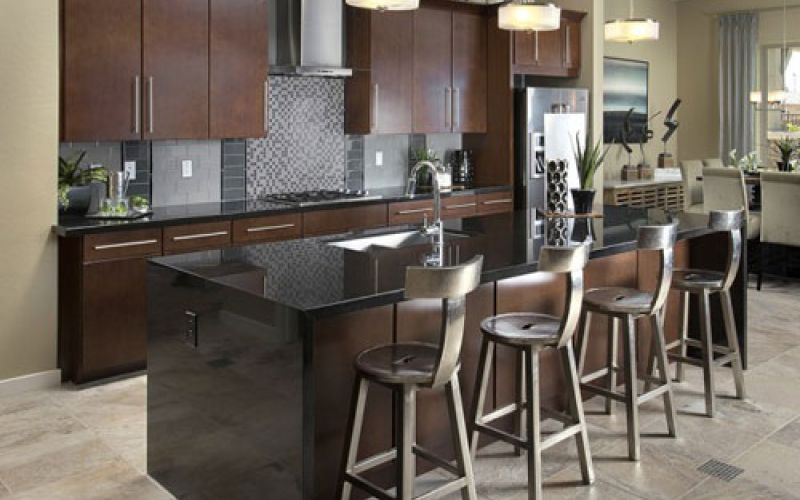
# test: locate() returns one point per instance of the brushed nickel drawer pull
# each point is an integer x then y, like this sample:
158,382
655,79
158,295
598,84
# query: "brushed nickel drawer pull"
269,228
126,244
463,205
150,106
414,211
497,202
266,106
200,236
137,104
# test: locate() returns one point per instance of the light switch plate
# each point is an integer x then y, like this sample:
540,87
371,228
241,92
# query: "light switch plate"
378,158
186,168
130,170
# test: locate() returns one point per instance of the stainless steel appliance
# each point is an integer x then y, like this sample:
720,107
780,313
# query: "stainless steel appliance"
547,123
320,197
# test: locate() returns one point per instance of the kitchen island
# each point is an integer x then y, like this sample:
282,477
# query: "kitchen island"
250,350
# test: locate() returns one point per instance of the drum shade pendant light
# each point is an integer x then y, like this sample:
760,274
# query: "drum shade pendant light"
384,4
528,15
632,29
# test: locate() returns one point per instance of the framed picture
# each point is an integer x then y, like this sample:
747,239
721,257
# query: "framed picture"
625,87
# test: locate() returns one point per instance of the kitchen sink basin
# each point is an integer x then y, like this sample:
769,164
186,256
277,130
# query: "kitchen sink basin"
392,240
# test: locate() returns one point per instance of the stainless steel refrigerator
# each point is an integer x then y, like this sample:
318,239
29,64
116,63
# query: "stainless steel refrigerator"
547,123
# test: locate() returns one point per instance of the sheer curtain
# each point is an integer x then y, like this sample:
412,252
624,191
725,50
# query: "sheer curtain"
738,42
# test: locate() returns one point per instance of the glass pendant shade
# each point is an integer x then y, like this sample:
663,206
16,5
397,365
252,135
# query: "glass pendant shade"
755,97
521,16
384,4
631,30
776,96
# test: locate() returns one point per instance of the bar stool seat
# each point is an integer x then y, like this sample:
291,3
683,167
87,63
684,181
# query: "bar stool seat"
697,279
521,329
409,363
618,300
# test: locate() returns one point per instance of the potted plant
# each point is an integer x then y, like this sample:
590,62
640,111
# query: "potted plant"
588,159
424,177
74,183
785,147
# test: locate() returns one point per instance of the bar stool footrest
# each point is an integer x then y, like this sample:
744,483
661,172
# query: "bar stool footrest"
601,391
652,394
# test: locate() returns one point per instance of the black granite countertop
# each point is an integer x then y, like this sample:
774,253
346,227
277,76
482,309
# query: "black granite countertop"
73,225
321,279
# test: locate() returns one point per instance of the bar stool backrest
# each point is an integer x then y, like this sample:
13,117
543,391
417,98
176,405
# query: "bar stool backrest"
570,261
660,239
780,208
731,222
451,285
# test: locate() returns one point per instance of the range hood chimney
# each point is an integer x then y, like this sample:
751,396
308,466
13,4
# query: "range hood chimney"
307,38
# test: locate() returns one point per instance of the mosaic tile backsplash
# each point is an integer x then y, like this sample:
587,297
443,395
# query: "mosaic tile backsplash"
306,144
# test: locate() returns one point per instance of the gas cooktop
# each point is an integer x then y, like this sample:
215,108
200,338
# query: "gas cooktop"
319,197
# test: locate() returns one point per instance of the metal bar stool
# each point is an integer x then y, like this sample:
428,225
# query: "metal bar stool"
625,305
703,284
531,333
407,368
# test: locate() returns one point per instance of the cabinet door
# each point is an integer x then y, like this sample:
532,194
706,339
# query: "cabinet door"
550,48
101,70
524,48
469,72
433,70
392,72
238,68
176,69
572,48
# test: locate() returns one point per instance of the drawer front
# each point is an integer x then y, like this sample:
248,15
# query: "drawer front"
266,229
410,212
459,206
495,203
122,245
194,237
341,220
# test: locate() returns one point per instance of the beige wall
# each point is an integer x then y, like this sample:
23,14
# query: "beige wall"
28,146
663,74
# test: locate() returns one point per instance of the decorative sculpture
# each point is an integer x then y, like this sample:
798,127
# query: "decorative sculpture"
665,159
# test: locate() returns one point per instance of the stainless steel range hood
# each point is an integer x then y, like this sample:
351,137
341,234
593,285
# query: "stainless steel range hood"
307,38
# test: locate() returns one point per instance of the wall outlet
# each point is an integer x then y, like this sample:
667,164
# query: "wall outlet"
378,158
186,168
130,170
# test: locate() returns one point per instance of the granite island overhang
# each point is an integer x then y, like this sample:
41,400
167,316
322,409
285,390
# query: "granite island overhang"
251,349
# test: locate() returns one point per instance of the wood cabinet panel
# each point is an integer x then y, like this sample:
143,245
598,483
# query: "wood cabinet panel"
266,229
238,39
433,56
495,203
195,237
122,245
551,48
554,53
175,40
101,70
572,36
459,206
410,212
470,59
340,220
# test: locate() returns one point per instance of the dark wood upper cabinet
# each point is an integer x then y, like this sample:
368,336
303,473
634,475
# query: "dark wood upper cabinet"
433,70
175,41
378,95
550,53
470,67
238,68
101,70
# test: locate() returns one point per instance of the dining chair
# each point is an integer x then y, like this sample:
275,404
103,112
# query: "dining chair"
780,212
691,170
725,189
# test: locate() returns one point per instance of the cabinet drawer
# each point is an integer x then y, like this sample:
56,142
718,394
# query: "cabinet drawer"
265,229
410,212
341,220
495,203
122,245
459,206
193,237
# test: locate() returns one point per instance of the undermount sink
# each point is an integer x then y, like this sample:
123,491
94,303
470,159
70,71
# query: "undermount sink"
392,240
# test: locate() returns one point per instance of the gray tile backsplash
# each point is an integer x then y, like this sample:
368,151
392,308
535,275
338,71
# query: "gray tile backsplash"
107,154
234,163
139,152
394,171
171,188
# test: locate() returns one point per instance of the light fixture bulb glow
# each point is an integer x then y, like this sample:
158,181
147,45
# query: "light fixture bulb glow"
776,96
631,30
520,16
384,4
755,97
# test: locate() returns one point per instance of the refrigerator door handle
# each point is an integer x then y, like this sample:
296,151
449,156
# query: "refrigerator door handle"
529,159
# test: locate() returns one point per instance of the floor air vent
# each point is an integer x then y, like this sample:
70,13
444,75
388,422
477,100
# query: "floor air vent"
720,470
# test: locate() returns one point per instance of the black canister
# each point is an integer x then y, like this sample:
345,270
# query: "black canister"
463,168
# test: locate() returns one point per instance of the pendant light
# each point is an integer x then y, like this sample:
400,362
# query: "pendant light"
632,29
778,97
384,4
528,15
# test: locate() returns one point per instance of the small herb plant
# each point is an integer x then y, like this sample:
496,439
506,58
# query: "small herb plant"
588,158
71,173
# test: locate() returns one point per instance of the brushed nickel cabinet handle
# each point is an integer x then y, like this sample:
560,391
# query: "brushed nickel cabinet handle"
567,55
448,108
137,104
536,46
497,202
456,108
463,205
414,211
376,110
150,107
126,244
200,236
263,229
266,106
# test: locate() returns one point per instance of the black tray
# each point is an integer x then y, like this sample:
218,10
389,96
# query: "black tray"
130,216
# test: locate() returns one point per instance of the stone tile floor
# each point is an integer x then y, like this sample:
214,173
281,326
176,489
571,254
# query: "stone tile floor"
90,443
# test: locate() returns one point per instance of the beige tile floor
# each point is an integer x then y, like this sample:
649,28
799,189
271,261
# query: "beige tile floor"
90,443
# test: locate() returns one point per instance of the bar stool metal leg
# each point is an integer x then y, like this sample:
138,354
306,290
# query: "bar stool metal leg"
406,430
458,428
533,424
612,362
586,321
631,382
733,343
576,408
659,347
708,351
354,434
683,334
479,397
520,417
